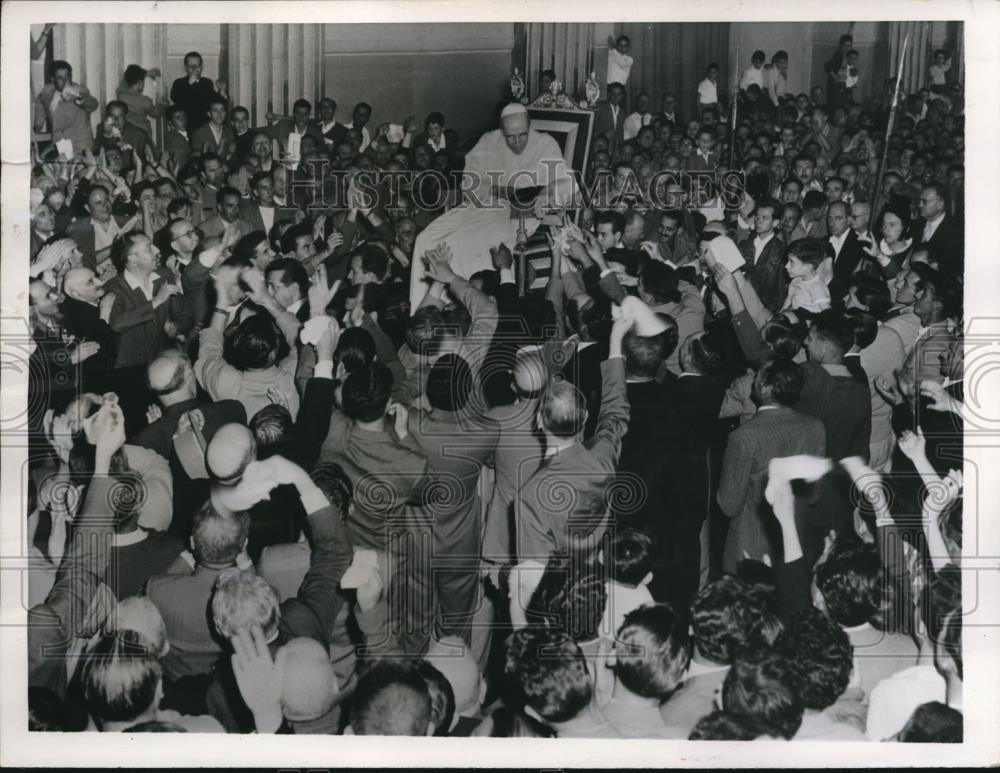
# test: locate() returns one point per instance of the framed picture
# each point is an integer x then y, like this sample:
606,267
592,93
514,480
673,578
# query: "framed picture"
572,129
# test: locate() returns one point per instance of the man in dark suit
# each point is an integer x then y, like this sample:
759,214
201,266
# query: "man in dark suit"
764,253
562,505
259,211
146,308
457,442
849,257
170,377
669,111
943,233
192,92
95,233
330,129
609,119
86,310
842,401
128,135
217,540
215,135
774,431
299,124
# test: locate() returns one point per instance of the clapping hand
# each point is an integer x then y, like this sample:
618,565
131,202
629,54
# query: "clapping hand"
438,264
321,292
84,351
502,258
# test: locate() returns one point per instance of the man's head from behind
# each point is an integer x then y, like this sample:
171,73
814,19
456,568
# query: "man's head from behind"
562,411
550,672
652,651
829,338
366,391
449,383
761,686
778,382
241,600
217,537
391,698
171,377
728,619
121,678
645,354
820,656
848,584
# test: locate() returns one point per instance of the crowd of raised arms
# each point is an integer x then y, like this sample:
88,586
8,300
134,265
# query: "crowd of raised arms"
704,482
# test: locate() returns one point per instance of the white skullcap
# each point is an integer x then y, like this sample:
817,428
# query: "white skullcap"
514,108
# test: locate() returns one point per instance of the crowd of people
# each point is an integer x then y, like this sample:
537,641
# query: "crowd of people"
706,485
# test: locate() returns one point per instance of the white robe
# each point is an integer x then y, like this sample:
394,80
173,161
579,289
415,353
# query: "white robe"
483,221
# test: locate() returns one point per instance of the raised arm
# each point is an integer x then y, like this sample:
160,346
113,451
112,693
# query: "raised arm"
612,422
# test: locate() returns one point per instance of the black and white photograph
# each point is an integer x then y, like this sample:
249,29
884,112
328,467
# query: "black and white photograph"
465,374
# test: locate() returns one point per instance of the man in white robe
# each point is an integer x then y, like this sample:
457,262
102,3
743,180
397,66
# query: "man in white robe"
513,156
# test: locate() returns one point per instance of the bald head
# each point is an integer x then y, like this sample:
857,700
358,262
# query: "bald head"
515,131
82,284
310,687
529,374
229,452
171,378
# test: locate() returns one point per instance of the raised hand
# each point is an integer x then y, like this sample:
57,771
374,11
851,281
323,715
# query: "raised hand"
259,677
84,351
164,293
401,418
438,264
153,413
321,292
328,341
502,258
913,444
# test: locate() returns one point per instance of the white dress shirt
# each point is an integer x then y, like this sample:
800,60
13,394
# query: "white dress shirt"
932,226
759,243
838,242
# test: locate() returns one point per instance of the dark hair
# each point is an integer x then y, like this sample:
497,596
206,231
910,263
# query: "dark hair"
645,354
256,343
227,190
660,281
703,353
851,583
434,117
629,556
59,64
652,651
302,103
723,726
293,273
449,383
550,672
569,599
820,655
271,425
832,327
442,697
616,219
121,247
728,620
782,339
813,199
785,378
872,293
811,251
763,686
115,104
176,205
374,259
134,74
424,331
366,391
863,327
335,484
174,110
355,348
391,698
933,722
779,56
245,248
